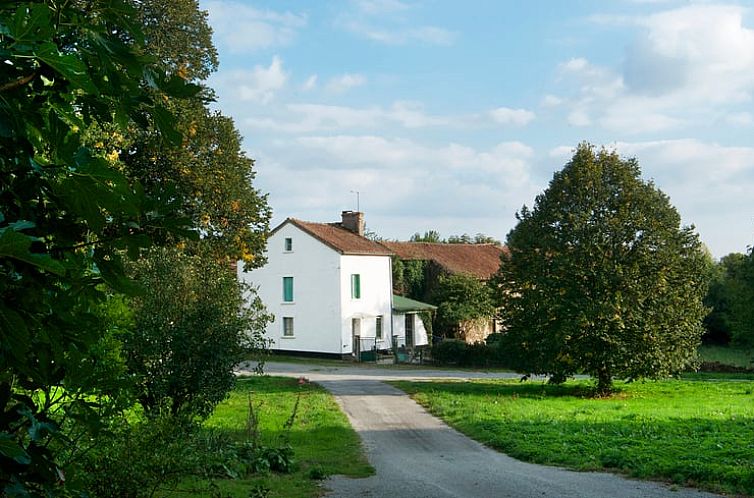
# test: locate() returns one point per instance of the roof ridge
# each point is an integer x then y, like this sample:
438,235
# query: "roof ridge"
344,240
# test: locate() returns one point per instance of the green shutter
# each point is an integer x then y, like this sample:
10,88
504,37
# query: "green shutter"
288,289
355,286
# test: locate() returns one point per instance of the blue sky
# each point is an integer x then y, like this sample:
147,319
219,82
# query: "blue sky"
451,115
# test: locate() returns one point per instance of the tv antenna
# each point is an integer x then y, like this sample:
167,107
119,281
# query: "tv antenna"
358,210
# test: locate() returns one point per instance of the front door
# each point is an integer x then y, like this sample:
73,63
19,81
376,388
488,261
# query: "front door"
356,336
409,330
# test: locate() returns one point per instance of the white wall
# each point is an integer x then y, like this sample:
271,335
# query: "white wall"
376,297
399,329
316,292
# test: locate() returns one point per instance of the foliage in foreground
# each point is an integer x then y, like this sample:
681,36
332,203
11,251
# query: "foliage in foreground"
67,214
601,278
108,148
691,433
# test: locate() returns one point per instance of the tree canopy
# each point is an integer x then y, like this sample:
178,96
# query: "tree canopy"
435,237
731,297
460,298
601,278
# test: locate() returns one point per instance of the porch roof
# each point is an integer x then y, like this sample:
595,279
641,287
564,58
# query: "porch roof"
404,305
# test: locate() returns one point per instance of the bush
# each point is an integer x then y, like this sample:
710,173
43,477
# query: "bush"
191,327
137,460
494,339
449,351
458,352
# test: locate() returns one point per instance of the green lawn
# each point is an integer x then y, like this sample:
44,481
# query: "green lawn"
688,432
321,437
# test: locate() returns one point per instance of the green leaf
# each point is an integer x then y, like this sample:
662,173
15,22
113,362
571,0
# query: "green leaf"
165,122
176,86
31,23
15,332
94,186
68,65
68,115
16,245
9,448
111,270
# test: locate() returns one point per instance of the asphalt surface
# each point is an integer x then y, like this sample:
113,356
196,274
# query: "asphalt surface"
417,455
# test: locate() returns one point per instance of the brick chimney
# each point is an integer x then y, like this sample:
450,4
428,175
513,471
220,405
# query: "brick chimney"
353,221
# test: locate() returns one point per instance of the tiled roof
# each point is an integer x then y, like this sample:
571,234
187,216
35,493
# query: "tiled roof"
342,240
480,260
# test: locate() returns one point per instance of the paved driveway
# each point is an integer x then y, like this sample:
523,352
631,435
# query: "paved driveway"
417,455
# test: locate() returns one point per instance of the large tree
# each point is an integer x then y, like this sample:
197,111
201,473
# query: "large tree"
601,278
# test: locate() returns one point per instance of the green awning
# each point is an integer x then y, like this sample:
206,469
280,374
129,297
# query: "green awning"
405,305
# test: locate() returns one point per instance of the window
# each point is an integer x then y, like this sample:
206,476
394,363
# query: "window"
410,330
287,326
355,286
288,289
378,327
288,244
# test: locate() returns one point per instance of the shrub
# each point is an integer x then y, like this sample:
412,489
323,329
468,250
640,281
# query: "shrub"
192,326
458,352
449,351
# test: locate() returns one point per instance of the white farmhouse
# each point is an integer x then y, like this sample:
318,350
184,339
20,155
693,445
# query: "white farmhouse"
330,291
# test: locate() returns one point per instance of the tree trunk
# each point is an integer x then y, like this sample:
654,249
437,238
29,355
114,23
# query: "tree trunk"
604,382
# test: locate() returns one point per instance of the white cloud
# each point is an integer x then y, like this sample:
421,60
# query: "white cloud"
403,178
579,117
242,29
310,118
515,117
345,82
257,85
551,101
430,35
310,83
684,65
703,51
739,118
376,7
389,22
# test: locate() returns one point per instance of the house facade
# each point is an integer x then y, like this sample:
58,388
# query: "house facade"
330,290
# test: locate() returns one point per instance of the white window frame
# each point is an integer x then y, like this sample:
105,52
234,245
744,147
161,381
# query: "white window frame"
288,320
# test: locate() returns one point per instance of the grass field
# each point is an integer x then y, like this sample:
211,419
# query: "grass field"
687,432
727,355
322,439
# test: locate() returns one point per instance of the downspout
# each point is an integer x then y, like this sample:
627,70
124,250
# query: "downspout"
391,301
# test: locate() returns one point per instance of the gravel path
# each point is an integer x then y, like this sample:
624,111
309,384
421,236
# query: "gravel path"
417,455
